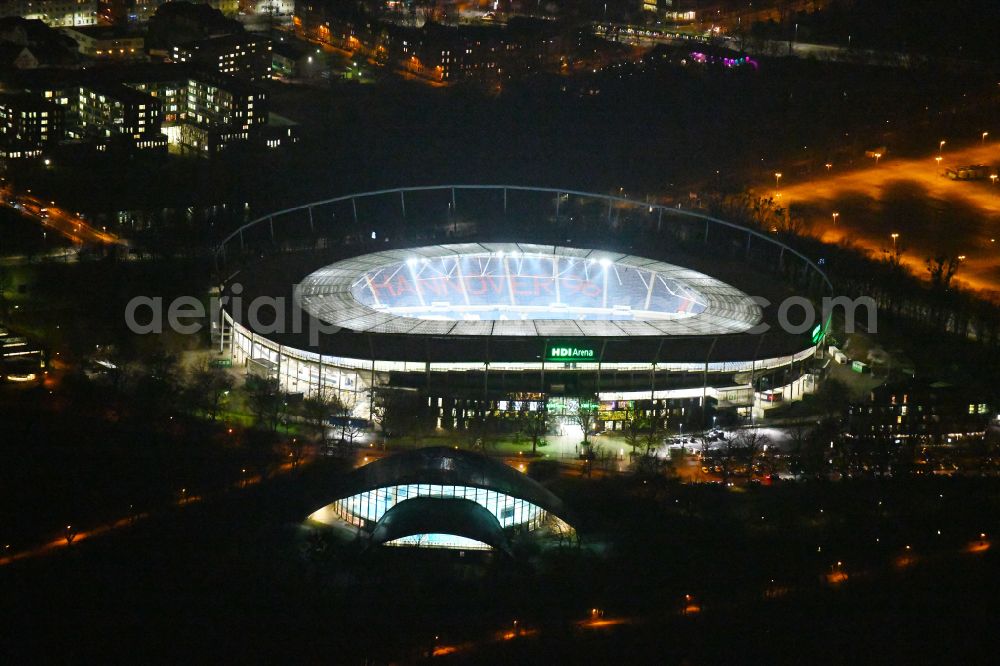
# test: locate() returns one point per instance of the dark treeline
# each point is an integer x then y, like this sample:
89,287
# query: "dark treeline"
960,30
928,309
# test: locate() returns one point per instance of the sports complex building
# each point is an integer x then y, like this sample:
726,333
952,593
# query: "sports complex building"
502,299
443,498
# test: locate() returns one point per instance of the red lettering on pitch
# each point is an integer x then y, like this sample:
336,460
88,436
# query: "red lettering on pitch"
495,284
476,286
454,285
521,287
379,287
436,286
590,289
403,286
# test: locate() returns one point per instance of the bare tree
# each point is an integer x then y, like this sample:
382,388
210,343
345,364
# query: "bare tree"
266,401
316,411
632,429
534,424
208,387
653,431
561,532
350,428
586,415
942,269
750,445
399,412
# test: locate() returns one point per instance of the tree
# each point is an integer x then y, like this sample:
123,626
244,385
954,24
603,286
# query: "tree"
653,432
586,415
316,411
560,531
349,426
207,388
534,423
798,433
481,431
266,401
398,412
894,258
632,429
942,269
751,444
739,453
157,385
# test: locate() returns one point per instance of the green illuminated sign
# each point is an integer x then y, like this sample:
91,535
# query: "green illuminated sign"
570,352
820,331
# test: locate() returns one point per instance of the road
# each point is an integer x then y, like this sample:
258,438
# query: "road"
931,213
50,216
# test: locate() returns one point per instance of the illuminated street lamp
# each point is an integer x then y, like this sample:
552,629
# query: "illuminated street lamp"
828,167
941,146
877,156
993,177
777,179
938,160
985,134
835,216
894,237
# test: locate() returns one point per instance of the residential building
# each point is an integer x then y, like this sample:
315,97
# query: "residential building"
929,411
108,42
28,125
55,13
28,44
244,56
148,105
119,114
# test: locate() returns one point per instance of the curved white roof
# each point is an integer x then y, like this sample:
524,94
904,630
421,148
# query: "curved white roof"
514,289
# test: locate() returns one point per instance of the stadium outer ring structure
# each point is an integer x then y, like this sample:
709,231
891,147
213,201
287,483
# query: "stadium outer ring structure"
301,370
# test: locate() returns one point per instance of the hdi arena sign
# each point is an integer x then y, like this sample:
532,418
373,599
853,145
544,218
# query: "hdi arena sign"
565,352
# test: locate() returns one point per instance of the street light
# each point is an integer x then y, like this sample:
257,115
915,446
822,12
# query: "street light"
941,146
993,177
938,160
828,167
985,134
777,179
835,216
894,237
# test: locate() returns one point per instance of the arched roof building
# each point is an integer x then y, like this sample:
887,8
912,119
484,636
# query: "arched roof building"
442,497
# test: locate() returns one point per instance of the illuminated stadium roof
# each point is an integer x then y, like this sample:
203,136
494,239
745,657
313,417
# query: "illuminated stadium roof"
507,289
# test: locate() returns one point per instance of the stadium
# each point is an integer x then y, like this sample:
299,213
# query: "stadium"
496,299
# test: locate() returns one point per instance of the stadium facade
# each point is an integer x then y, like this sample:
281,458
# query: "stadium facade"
478,325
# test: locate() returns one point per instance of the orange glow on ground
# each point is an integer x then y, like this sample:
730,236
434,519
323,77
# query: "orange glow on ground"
831,191
977,546
836,577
